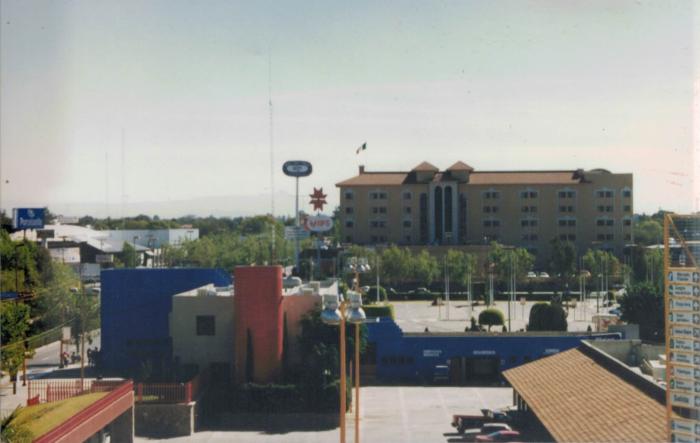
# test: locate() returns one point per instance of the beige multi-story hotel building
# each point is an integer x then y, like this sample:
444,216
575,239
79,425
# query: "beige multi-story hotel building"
463,206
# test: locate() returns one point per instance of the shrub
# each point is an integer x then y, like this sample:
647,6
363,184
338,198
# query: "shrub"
371,295
379,311
491,317
547,317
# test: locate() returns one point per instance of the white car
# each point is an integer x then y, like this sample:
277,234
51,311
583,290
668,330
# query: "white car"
531,275
544,275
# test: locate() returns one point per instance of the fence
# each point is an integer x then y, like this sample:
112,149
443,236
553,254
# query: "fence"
170,392
45,391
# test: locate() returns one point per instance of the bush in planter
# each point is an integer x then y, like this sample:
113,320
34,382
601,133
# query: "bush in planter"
379,311
547,317
491,317
371,296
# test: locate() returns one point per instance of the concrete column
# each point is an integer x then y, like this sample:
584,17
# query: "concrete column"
122,429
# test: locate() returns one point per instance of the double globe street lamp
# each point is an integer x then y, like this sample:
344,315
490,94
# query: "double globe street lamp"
336,312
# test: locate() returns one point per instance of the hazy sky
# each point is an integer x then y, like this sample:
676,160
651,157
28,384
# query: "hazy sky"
497,84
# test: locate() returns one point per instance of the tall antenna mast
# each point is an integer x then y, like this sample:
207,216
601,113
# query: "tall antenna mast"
106,184
123,182
273,234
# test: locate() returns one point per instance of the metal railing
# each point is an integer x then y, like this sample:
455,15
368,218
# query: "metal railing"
46,391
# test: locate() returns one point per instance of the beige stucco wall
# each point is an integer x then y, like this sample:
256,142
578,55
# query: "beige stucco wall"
202,350
509,213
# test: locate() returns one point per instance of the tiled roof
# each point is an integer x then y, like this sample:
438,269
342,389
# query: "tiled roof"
475,178
375,179
460,166
426,167
522,178
579,400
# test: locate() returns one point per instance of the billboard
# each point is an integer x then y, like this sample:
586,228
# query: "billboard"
28,218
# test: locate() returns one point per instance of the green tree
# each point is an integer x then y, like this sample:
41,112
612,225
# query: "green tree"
547,317
491,317
460,265
14,322
643,304
600,262
57,300
424,267
562,262
129,256
395,265
502,260
648,232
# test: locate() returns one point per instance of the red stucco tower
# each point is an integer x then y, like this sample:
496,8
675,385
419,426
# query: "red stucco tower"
258,323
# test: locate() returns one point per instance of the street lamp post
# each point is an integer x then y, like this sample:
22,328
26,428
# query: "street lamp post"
338,312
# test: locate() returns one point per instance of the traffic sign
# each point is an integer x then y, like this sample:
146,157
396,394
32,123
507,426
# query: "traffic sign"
295,233
685,344
688,275
685,372
684,331
686,426
684,290
682,357
685,304
685,400
684,385
686,318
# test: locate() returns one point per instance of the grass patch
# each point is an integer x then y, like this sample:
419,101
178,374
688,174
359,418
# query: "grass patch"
40,419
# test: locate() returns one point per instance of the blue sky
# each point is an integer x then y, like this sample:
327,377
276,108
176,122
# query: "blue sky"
499,85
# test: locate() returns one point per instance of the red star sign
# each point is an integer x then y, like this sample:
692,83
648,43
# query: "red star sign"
318,199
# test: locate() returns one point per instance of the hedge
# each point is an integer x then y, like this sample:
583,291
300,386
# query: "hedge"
272,398
379,311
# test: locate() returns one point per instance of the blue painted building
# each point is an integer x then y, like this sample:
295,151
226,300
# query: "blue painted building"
134,309
460,358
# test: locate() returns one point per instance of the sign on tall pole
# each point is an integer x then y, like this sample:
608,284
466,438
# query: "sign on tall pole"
297,169
682,326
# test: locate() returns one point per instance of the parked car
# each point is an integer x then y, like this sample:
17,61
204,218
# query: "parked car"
505,436
364,289
544,275
531,275
420,291
616,311
487,428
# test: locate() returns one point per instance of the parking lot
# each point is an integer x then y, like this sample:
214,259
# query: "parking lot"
388,414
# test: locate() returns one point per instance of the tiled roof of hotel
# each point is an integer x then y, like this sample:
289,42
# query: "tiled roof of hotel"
475,178
579,400
426,167
460,166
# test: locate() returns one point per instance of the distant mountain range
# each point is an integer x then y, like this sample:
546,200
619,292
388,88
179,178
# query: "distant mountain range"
219,206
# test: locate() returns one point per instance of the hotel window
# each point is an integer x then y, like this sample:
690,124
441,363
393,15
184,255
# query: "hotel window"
206,325
528,193
348,210
602,208
348,238
378,239
604,193
491,195
609,222
627,193
528,222
627,208
566,193
627,222
379,210
490,209
378,224
407,239
407,223
407,210
407,196
566,209
348,195
530,237
349,224
628,237
491,223
377,195
530,209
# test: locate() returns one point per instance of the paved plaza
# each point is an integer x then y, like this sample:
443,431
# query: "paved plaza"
407,414
415,316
